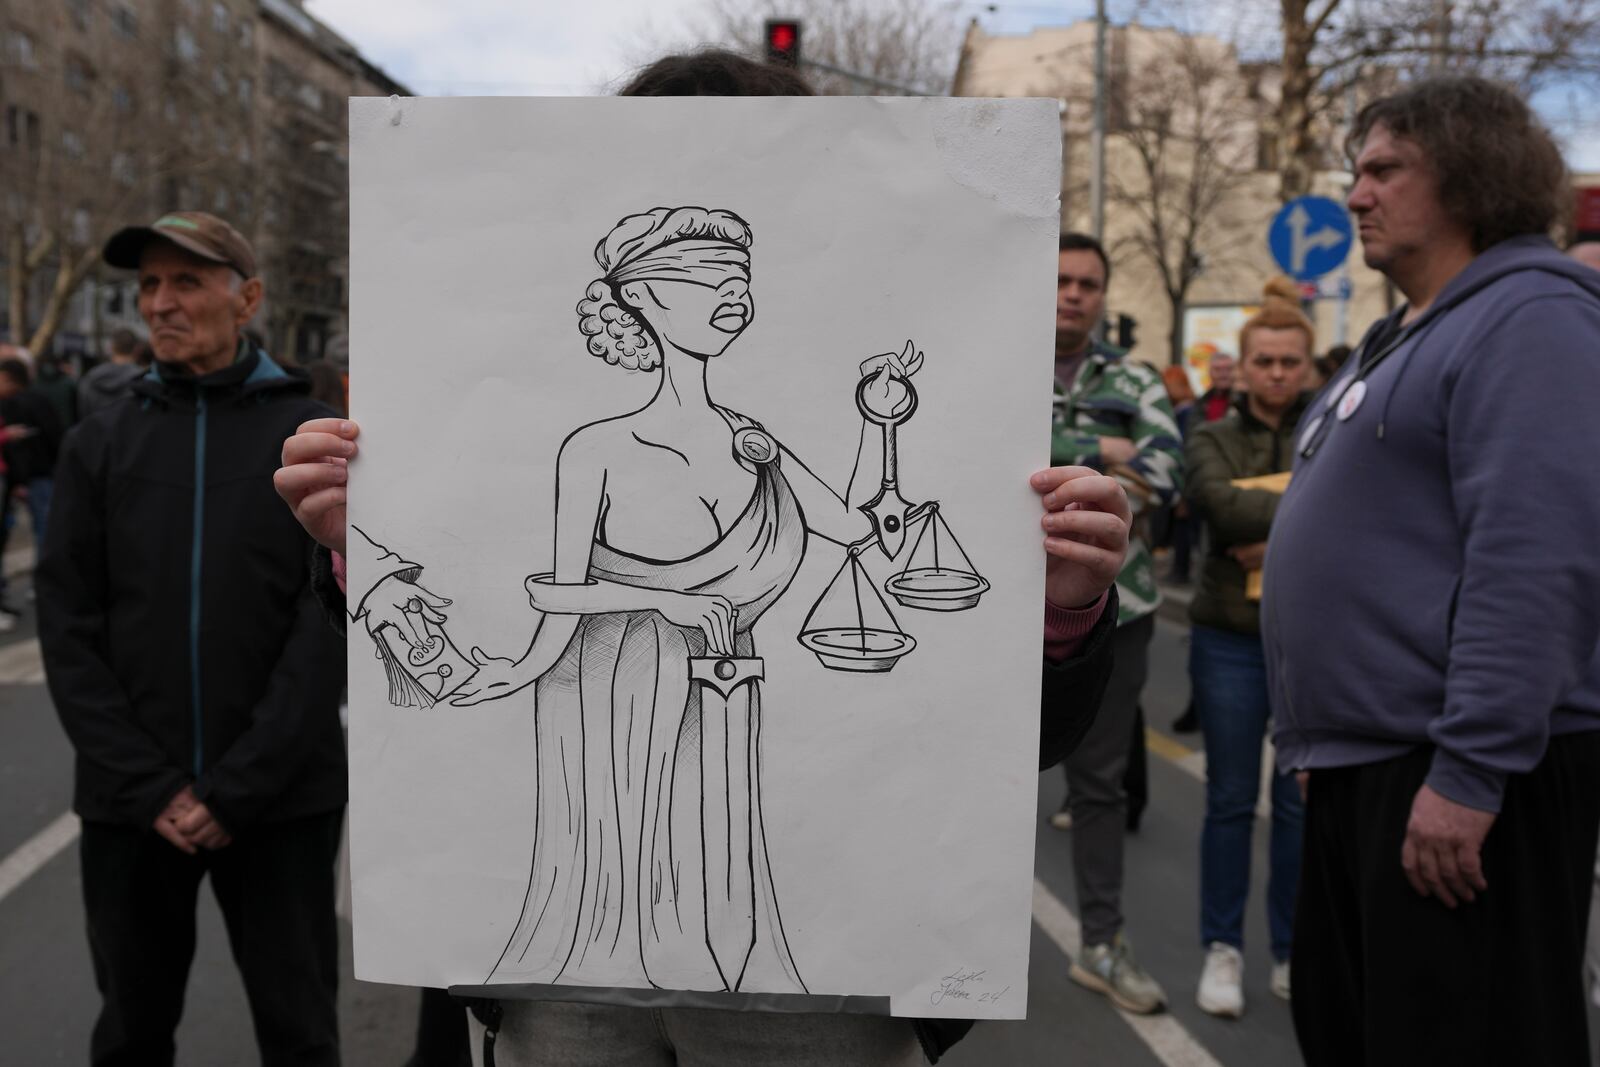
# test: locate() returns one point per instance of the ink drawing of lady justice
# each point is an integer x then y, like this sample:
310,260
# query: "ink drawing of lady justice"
676,527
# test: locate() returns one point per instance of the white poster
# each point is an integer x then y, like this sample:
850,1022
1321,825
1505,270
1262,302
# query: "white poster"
696,575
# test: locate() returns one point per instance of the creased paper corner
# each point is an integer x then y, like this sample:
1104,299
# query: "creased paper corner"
1008,151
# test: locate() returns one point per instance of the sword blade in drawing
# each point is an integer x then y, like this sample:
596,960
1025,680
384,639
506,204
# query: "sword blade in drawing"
727,809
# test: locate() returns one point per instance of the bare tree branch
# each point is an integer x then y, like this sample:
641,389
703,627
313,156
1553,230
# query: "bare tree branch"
913,43
1183,153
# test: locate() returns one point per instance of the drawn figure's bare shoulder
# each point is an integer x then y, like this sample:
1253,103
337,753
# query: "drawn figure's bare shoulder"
589,452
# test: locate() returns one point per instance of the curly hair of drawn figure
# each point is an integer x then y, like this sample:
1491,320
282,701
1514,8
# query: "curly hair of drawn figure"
615,333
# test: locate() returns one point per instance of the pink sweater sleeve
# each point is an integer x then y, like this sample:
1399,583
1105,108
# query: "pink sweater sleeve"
1066,628
338,573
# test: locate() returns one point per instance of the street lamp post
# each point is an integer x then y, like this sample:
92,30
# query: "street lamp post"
1097,141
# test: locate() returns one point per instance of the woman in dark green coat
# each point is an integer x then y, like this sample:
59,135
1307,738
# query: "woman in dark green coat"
1227,668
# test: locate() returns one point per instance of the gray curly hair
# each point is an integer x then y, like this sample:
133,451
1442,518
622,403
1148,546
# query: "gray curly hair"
616,334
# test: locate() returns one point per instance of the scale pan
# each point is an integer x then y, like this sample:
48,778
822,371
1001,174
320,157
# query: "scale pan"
937,588
855,648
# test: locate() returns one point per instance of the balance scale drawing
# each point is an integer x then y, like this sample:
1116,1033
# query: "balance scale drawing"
923,583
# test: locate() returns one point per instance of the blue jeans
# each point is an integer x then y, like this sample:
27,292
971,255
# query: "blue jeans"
40,492
1229,676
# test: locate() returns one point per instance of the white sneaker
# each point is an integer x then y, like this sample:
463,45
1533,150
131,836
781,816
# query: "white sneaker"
1222,982
1280,980
1061,820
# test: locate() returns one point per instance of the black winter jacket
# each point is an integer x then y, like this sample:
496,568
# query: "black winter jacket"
34,456
1071,698
181,638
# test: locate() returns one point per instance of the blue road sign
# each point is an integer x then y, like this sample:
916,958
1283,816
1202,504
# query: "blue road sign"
1310,236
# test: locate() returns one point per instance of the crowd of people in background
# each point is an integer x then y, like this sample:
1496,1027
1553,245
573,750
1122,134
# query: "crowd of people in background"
43,397
1423,665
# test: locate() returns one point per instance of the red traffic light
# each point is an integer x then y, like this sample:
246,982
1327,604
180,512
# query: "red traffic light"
783,41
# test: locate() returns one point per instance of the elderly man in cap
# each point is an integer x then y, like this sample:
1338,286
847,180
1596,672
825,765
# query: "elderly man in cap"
192,668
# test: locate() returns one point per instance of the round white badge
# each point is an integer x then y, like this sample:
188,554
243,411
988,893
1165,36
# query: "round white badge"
1310,432
1351,400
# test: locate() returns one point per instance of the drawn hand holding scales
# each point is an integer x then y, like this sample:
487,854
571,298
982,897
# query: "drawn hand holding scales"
642,657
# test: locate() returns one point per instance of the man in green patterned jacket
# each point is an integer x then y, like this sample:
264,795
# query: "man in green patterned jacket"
1111,414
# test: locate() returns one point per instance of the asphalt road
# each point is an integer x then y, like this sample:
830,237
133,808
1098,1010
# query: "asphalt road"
48,1000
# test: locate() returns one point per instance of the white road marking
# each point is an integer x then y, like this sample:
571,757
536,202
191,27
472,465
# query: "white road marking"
1173,1045
21,663
37,851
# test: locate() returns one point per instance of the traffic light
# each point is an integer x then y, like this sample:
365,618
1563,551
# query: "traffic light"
783,42
1125,327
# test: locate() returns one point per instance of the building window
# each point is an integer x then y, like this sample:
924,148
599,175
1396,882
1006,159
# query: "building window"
122,168
1267,150
77,74
169,110
310,96
219,81
20,48
281,81
80,11
247,34
246,88
184,43
80,227
72,144
224,143
124,21
221,199
219,17
22,128
244,151
122,100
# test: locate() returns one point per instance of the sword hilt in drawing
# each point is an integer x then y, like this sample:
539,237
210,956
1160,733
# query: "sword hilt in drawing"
726,673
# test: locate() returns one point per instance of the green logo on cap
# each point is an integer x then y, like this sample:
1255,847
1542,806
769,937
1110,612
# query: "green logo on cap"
173,220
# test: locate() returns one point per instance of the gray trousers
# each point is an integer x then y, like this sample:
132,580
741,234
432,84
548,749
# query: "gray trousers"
1095,795
567,1034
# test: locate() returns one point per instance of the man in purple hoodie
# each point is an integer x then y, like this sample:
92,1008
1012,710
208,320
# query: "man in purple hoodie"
1432,610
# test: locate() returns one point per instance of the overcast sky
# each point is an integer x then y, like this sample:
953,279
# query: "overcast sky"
491,47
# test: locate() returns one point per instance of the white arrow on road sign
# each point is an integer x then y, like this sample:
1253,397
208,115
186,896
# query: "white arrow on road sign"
1302,244
1309,236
